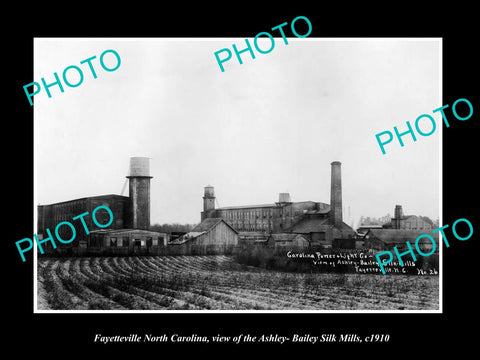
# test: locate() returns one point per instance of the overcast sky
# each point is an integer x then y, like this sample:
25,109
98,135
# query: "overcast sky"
271,125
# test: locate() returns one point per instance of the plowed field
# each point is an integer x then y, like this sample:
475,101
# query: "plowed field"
218,283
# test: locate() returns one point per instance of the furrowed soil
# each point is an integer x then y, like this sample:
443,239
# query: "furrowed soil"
218,283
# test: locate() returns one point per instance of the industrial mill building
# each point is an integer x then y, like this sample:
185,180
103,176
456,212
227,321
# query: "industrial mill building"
129,230
318,222
221,230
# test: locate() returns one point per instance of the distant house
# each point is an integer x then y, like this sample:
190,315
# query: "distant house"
283,241
211,236
386,239
408,222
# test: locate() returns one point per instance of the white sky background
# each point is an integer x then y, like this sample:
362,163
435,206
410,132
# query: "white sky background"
273,124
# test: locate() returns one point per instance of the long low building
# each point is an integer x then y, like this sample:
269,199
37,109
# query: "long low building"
387,239
126,238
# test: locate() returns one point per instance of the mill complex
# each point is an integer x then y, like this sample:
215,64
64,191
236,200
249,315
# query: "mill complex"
280,224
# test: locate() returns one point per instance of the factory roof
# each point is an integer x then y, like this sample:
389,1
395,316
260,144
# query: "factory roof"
277,204
392,236
208,224
98,197
246,206
314,224
309,225
370,226
118,231
285,237
405,217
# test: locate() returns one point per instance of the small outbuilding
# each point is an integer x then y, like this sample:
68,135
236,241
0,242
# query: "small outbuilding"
284,241
211,236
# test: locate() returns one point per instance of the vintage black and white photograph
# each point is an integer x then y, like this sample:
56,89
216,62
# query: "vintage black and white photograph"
163,183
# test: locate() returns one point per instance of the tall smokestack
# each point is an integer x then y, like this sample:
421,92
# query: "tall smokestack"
139,192
398,211
398,216
336,195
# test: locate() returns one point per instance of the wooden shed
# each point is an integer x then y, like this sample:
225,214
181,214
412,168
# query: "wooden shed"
211,236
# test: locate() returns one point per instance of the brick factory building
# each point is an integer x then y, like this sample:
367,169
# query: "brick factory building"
318,222
50,215
129,213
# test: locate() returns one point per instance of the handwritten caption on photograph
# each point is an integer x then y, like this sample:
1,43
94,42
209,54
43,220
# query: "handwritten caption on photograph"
68,79
357,262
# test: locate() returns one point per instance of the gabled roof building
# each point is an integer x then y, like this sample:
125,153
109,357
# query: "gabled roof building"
212,231
211,236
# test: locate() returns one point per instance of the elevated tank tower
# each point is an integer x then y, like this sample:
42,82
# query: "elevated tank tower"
139,192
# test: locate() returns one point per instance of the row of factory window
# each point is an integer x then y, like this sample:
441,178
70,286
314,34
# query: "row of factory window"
62,217
253,214
248,214
261,226
126,242
63,212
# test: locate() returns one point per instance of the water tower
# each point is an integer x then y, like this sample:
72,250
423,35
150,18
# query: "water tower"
208,203
139,192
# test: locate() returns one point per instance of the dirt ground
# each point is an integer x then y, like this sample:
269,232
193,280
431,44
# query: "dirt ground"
219,283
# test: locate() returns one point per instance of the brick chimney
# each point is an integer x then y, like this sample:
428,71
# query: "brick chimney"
336,195
398,216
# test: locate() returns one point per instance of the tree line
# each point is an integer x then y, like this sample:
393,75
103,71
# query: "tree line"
174,227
